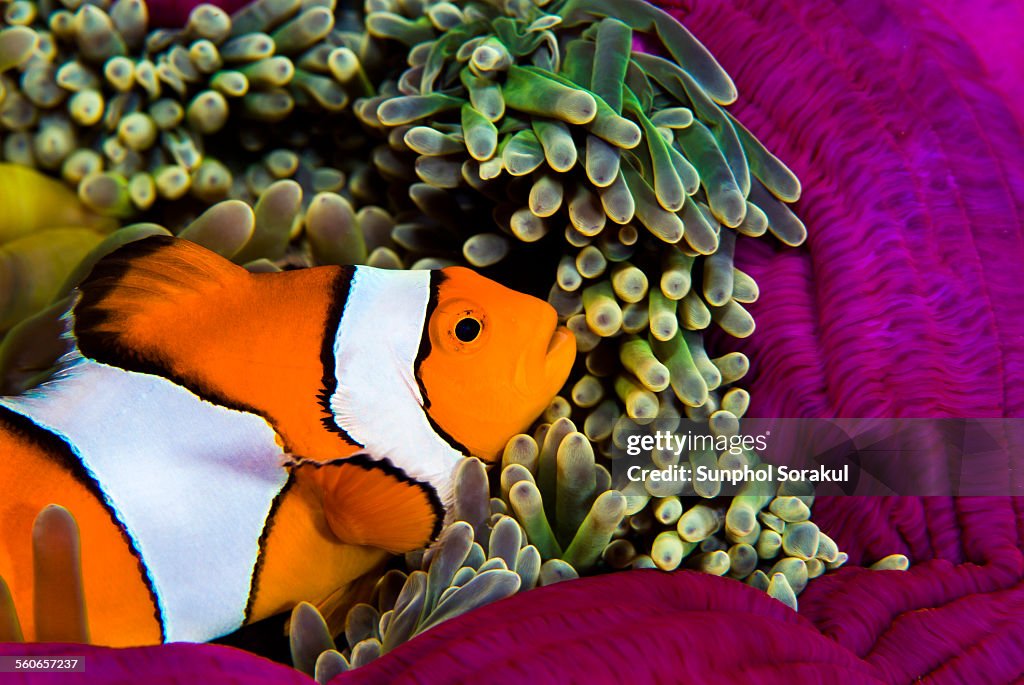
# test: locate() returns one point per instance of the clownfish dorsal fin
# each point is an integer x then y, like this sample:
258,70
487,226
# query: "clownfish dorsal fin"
252,342
370,502
142,293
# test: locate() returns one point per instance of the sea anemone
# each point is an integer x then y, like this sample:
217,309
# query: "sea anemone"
527,139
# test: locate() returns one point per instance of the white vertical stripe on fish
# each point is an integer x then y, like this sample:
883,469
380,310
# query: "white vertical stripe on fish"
191,481
378,400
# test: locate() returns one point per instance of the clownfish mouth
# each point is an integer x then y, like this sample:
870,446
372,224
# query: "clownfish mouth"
544,364
559,356
559,337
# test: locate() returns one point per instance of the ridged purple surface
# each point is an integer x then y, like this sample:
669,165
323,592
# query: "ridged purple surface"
635,627
968,575
906,300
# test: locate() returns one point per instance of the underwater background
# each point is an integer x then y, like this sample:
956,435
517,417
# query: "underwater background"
902,122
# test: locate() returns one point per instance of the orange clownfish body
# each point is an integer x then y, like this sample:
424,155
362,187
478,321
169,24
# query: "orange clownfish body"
233,443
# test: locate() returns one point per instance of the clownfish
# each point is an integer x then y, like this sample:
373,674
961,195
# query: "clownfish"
233,443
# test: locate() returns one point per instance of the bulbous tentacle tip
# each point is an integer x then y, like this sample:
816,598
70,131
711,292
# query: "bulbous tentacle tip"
308,637
58,593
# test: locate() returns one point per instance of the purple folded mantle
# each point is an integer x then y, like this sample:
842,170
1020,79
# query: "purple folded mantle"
635,627
907,299
967,574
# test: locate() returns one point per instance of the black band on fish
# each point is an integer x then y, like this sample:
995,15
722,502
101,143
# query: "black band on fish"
254,585
64,456
330,379
444,435
437,277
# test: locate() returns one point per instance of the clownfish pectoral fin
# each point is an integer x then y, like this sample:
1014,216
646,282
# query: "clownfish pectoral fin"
368,502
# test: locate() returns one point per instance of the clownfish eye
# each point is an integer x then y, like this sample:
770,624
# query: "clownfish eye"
467,329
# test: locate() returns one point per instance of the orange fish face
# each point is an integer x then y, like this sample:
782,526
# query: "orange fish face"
497,357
